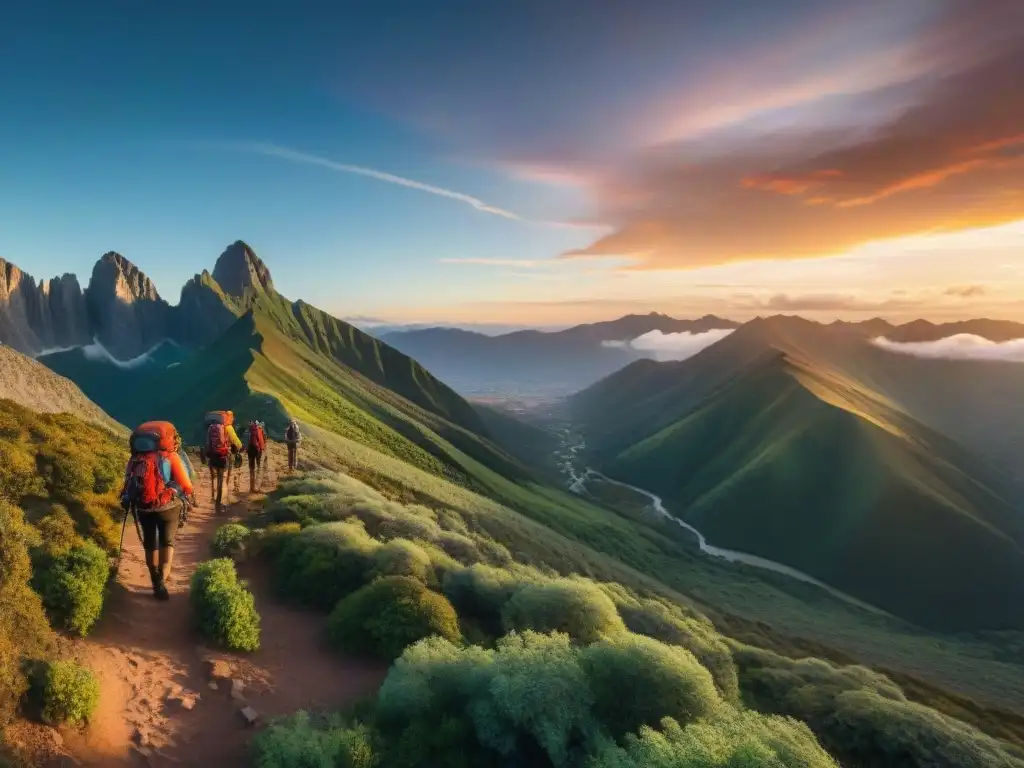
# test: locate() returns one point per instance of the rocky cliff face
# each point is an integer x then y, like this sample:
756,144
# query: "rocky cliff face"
122,309
240,273
126,314
43,315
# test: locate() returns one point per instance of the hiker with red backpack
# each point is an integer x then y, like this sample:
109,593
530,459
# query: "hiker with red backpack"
221,441
157,490
256,442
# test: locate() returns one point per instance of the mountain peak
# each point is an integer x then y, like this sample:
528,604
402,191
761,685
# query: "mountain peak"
240,271
114,274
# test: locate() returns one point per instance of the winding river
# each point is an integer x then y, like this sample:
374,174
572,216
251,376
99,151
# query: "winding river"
578,484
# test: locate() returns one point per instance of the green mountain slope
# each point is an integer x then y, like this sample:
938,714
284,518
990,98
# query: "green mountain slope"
805,469
790,442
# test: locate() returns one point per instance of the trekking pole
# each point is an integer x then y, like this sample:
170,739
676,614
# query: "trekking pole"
120,545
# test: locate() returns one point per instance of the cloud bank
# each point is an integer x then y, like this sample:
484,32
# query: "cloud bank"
963,346
671,346
98,353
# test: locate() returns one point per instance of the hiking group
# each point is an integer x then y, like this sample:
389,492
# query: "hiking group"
159,481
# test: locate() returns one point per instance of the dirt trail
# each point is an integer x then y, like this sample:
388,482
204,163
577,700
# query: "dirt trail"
158,705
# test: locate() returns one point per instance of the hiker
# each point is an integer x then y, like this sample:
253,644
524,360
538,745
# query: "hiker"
292,437
256,444
156,488
221,441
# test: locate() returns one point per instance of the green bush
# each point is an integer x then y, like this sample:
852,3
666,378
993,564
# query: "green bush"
24,630
747,740
72,586
573,606
270,541
69,693
401,557
860,716
224,610
459,547
299,742
638,681
323,563
383,618
57,531
480,592
671,625
230,540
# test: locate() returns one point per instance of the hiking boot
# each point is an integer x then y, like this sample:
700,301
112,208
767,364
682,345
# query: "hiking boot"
160,590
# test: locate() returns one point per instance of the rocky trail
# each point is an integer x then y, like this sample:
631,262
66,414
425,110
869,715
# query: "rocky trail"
168,699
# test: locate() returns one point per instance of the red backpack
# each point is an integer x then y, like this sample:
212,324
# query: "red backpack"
144,486
217,441
257,440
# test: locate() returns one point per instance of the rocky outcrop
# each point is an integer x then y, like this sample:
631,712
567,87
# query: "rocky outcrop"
122,309
126,313
36,316
203,313
240,273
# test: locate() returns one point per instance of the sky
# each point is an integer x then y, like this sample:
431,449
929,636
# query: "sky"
530,162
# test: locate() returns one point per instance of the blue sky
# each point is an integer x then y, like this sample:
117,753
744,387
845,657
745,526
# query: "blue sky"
686,156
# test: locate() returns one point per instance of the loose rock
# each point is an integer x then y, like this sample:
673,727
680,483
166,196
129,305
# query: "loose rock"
250,716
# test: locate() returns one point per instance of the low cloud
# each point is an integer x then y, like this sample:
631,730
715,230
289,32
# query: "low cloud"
671,346
963,346
827,302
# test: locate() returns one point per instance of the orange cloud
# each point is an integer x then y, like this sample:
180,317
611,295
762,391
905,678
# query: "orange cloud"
789,185
948,162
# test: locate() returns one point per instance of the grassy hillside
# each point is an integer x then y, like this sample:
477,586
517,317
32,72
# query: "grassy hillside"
817,472
35,386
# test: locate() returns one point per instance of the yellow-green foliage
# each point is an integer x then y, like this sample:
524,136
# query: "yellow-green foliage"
383,618
69,693
230,540
24,631
300,741
637,681
741,740
323,563
224,610
672,624
544,700
574,606
71,585
401,557
862,717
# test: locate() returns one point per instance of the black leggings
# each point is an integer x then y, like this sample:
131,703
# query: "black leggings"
255,459
159,523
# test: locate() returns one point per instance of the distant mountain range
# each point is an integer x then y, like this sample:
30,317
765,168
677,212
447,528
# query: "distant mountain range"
562,362
891,477
553,362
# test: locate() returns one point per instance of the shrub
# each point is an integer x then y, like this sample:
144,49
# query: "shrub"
323,563
747,740
401,557
670,625
459,547
66,476
481,592
639,681
229,540
860,716
69,693
573,606
383,618
72,584
299,742
271,540
406,525
24,630
224,610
